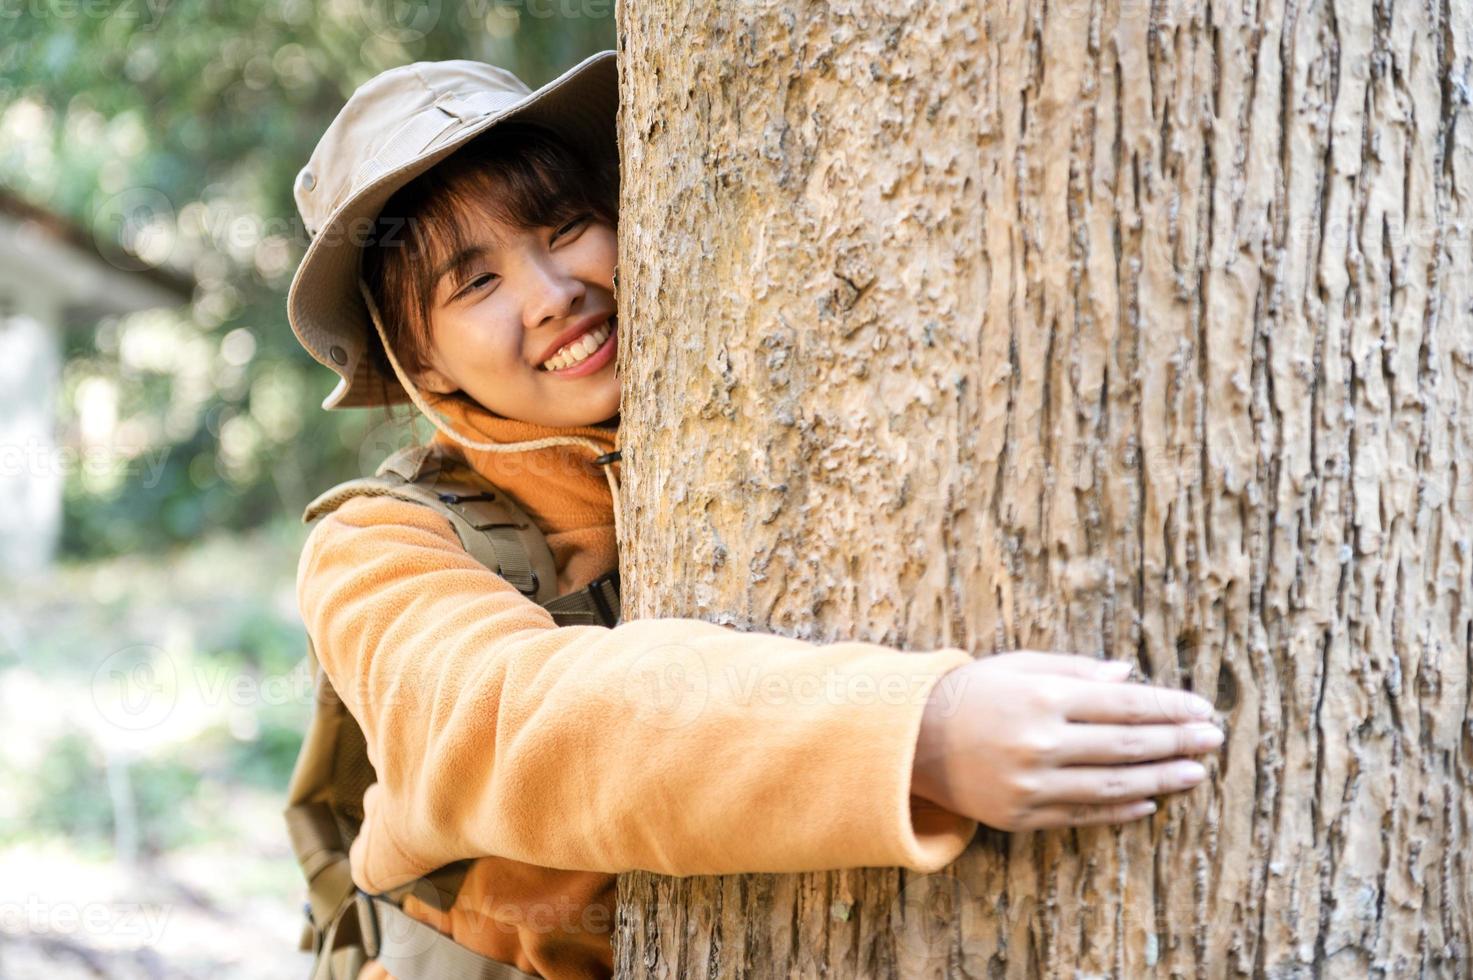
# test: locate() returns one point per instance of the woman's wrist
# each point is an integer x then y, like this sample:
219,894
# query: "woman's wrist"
928,771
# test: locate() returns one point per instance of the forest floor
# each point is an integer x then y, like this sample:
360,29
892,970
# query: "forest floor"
150,711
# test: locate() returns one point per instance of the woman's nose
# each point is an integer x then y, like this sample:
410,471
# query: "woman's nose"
555,295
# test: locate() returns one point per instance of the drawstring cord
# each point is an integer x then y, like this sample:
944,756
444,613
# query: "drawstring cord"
443,424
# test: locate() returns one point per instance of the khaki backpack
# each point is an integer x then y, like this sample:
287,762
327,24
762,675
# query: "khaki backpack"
346,926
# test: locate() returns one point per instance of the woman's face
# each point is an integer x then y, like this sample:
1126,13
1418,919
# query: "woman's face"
517,299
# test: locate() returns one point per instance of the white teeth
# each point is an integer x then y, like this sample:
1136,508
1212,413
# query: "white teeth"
579,349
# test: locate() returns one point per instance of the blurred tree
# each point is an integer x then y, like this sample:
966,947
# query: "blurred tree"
177,129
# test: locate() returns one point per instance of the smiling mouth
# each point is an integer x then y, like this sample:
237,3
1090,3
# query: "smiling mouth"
573,354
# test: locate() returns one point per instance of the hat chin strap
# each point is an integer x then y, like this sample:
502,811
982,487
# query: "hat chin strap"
443,424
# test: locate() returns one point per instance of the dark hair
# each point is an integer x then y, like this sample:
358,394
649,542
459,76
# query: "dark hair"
519,174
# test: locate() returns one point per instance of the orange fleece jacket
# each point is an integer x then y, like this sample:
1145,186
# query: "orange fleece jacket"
496,734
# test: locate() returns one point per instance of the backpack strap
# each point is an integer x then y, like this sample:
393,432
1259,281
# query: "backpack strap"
596,604
490,525
319,839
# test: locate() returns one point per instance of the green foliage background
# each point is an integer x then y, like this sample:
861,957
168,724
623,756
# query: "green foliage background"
173,130
205,110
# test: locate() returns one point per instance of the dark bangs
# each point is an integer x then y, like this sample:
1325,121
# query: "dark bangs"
519,174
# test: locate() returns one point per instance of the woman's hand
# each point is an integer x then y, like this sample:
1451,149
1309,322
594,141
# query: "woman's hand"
1023,741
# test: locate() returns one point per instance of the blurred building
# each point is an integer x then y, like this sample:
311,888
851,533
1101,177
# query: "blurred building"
52,273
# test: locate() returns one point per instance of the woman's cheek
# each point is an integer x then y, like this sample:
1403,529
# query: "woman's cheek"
510,350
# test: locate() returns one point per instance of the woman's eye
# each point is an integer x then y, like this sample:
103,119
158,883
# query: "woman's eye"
478,282
570,226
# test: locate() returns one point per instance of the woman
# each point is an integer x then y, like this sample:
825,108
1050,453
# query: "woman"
480,286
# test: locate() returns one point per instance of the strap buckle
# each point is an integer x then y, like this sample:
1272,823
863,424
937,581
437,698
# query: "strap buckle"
461,498
529,593
596,592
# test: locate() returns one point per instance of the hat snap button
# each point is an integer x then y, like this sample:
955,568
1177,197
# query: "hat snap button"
307,180
338,355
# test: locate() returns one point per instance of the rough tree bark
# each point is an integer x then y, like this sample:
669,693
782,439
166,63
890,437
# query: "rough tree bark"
1143,328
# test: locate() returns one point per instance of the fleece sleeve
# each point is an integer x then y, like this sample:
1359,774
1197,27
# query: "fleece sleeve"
669,745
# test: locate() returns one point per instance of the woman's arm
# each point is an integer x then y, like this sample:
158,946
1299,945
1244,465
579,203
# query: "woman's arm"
671,745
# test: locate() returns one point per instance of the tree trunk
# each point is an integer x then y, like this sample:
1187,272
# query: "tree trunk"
1143,328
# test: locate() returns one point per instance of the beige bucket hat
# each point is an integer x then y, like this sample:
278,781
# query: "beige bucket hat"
396,126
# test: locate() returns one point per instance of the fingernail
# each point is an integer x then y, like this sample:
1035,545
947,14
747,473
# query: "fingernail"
1192,771
1200,705
1115,670
1205,734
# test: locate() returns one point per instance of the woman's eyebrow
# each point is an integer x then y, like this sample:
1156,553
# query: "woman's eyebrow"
463,258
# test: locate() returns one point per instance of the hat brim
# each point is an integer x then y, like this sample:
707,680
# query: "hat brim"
324,306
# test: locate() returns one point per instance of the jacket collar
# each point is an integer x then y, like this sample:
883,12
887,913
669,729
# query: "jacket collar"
560,487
